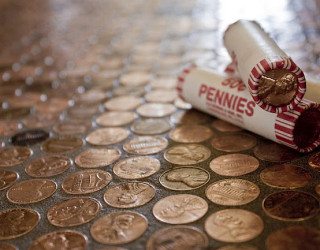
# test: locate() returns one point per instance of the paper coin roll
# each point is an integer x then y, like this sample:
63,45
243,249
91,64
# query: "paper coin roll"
275,82
228,99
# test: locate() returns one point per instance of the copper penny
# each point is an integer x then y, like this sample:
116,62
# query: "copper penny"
123,103
180,209
145,145
314,161
40,120
178,237
52,105
233,225
129,90
61,144
184,178
71,128
187,154
234,142
115,118
107,136
60,240
129,194
14,113
291,205
137,78
156,110
232,192
94,157
224,126
17,222
234,164
150,126
119,227
13,156
73,212
164,83
8,128
161,96
90,97
7,246
83,111
86,181
274,152
191,116
136,167
7,179
191,133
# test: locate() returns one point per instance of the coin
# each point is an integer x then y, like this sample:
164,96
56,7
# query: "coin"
224,126
291,205
314,161
233,225
83,111
161,96
180,209
145,145
29,137
150,126
164,83
91,96
71,128
180,104
7,246
191,133
52,105
86,181
156,110
187,154
61,144
232,192
107,136
318,189
129,90
129,194
178,237
13,156
7,128
189,117
274,152
234,164
184,178
94,157
73,212
136,167
39,120
237,247
234,142
137,78
60,240
7,179
14,113
115,118
119,227
123,103
16,222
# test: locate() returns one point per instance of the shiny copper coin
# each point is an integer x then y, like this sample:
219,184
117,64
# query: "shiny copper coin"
94,157
187,154
151,126
17,222
13,156
178,237
71,128
137,78
232,192
119,227
107,136
115,118
7,246
86,181
29,137
191,133
7,179
180,209
274,152
164,83
224,126
233,225
136,167
145,145
61,144
156,110
314,161
129,194
234,164
191,116
73,212
291,205
123,103
161,96
8,128
184,178
234,142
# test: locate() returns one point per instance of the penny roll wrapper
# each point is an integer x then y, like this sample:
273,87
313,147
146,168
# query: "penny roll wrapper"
227,98
275,82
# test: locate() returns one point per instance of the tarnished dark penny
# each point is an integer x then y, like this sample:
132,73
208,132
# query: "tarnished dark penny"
13,156
161,96
156,110
71,128
145,145
17,222
97,157
7,246
274,152
224,126
178,237
115,118
31,191
191,116
86,181
7,179
129,194
136,78
187,154
151,126
61,144
291,205
232,192
119,227
14,113
285,176
29,137
191,133
123,103
107,136
233,225
8,128
314,161
60,240
234,142
73,212
48,166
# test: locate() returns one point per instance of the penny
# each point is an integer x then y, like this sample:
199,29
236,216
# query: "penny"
71,128
123,103
191,133
129,194
107,136
61,144
86,181
187,154
180,209
274,152
233,225
294,237
73,212
318,189
179,103
232,192
184,178
7,128
14,113
83,111
156,110
164,83
94,158
145,145
234,164
119,227
237,247
135,78
178,237
52,105
129,90
150,126
7,179
190,117
291,205
90,97
60,240
234,142
48,166
29,137
314,161
161,96
115,118
224,126
7,246
13,156
40,120
17,222
136,167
